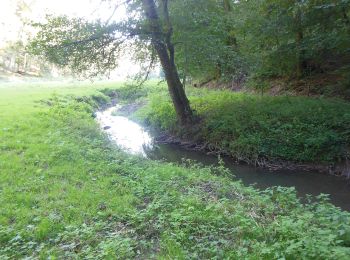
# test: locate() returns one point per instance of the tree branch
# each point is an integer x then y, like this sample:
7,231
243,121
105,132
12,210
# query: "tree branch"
149,68
169,32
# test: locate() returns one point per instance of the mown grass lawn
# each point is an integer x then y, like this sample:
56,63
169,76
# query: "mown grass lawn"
66,192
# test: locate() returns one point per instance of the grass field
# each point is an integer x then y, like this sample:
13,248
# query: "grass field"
67,193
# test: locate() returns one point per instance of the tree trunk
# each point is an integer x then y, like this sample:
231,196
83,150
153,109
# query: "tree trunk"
301,63
346,19
175,87
165,52
227,5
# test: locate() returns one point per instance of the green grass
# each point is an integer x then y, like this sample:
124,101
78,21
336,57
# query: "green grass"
251,127
66,193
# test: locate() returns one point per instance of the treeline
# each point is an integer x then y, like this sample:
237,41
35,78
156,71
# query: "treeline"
14,55
239,40
14,58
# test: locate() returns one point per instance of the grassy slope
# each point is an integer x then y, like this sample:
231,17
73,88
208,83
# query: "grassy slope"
66,192
251,127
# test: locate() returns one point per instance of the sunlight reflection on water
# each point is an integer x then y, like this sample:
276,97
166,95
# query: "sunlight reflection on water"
127,134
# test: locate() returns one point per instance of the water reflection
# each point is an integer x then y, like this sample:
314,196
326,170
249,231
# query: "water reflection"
305,182
128,135
136,140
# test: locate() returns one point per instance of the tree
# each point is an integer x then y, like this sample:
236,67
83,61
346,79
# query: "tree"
161,41
207,39
92,48
204,36
206,43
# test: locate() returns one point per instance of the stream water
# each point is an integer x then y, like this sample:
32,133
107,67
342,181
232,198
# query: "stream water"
135,139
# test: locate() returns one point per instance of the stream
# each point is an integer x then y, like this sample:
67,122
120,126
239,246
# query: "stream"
135,139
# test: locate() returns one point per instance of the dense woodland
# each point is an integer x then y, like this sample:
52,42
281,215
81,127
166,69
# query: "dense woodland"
261,39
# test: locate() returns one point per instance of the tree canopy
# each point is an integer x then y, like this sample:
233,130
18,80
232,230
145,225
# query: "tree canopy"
206,40
261,38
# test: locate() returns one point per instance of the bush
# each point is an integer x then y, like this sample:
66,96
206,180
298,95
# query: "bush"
126,93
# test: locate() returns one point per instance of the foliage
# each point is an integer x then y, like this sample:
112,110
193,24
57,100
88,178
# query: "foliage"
203,30
127,93
93,47
260,38
85,47
226,40
251,127
66,192
283,34
14,57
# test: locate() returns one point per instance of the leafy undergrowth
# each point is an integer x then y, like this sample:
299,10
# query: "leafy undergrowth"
251,127
66,193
